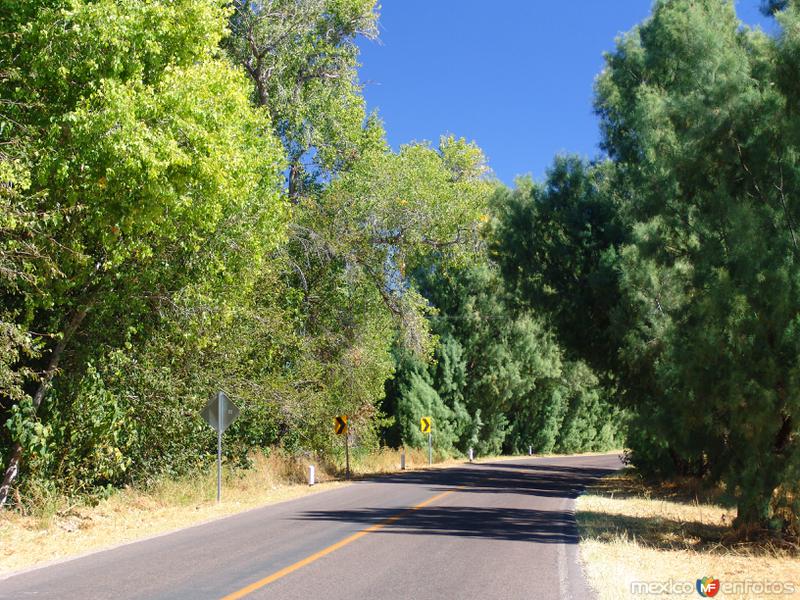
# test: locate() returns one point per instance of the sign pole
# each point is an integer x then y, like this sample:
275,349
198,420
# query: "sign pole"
347,455
219,413
340,428
219,449
430,448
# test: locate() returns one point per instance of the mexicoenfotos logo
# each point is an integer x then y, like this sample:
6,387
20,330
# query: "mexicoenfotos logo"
707,587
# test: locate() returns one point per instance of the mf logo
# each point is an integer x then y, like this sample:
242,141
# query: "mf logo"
707,587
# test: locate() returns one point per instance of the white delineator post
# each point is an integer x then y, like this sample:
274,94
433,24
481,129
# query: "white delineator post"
310,474
470,455
530,450
403,459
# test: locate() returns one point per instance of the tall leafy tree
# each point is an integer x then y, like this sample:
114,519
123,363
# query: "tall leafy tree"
361,214
302,58
142,143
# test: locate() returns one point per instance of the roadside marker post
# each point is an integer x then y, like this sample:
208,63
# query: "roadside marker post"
219,413
530,450
425,427
403,459
470,455
310,475
219,461
340,428
430,449
347,455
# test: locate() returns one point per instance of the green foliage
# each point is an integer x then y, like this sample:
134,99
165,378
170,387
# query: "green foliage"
714,168
136,141
147,244
412,396
146,172
770,7
499,372
302,59
592,422
24,262
556,244
672,268
362,215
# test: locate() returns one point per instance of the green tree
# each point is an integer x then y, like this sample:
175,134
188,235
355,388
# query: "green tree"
361,214
557,246
500,371
699,115
141,142
302,58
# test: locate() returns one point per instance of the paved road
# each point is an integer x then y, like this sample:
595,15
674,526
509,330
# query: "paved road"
493,530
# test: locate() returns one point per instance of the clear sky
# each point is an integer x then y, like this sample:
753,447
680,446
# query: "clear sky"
515,76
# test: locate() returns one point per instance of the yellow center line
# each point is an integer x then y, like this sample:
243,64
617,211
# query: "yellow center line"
332,548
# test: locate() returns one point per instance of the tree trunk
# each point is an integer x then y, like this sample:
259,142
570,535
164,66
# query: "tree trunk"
754,510
753,513
294,181
15,456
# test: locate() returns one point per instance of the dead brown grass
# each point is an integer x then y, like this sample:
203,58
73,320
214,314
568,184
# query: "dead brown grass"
676,532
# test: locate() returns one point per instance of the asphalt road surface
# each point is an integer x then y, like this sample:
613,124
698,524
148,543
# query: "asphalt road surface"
503,530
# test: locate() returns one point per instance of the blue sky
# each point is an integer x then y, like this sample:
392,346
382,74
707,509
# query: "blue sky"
516,76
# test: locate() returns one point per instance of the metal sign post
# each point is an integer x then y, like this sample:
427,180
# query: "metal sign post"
219,449
219,413
425,427
340,428
347,455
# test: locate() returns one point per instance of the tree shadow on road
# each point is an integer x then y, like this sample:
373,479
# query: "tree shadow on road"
545,468
542,480
512,524
498,523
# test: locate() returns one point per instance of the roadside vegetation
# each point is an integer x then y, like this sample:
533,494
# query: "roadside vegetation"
672,266
193,197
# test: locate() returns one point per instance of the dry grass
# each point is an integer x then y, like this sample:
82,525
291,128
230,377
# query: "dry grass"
633,532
